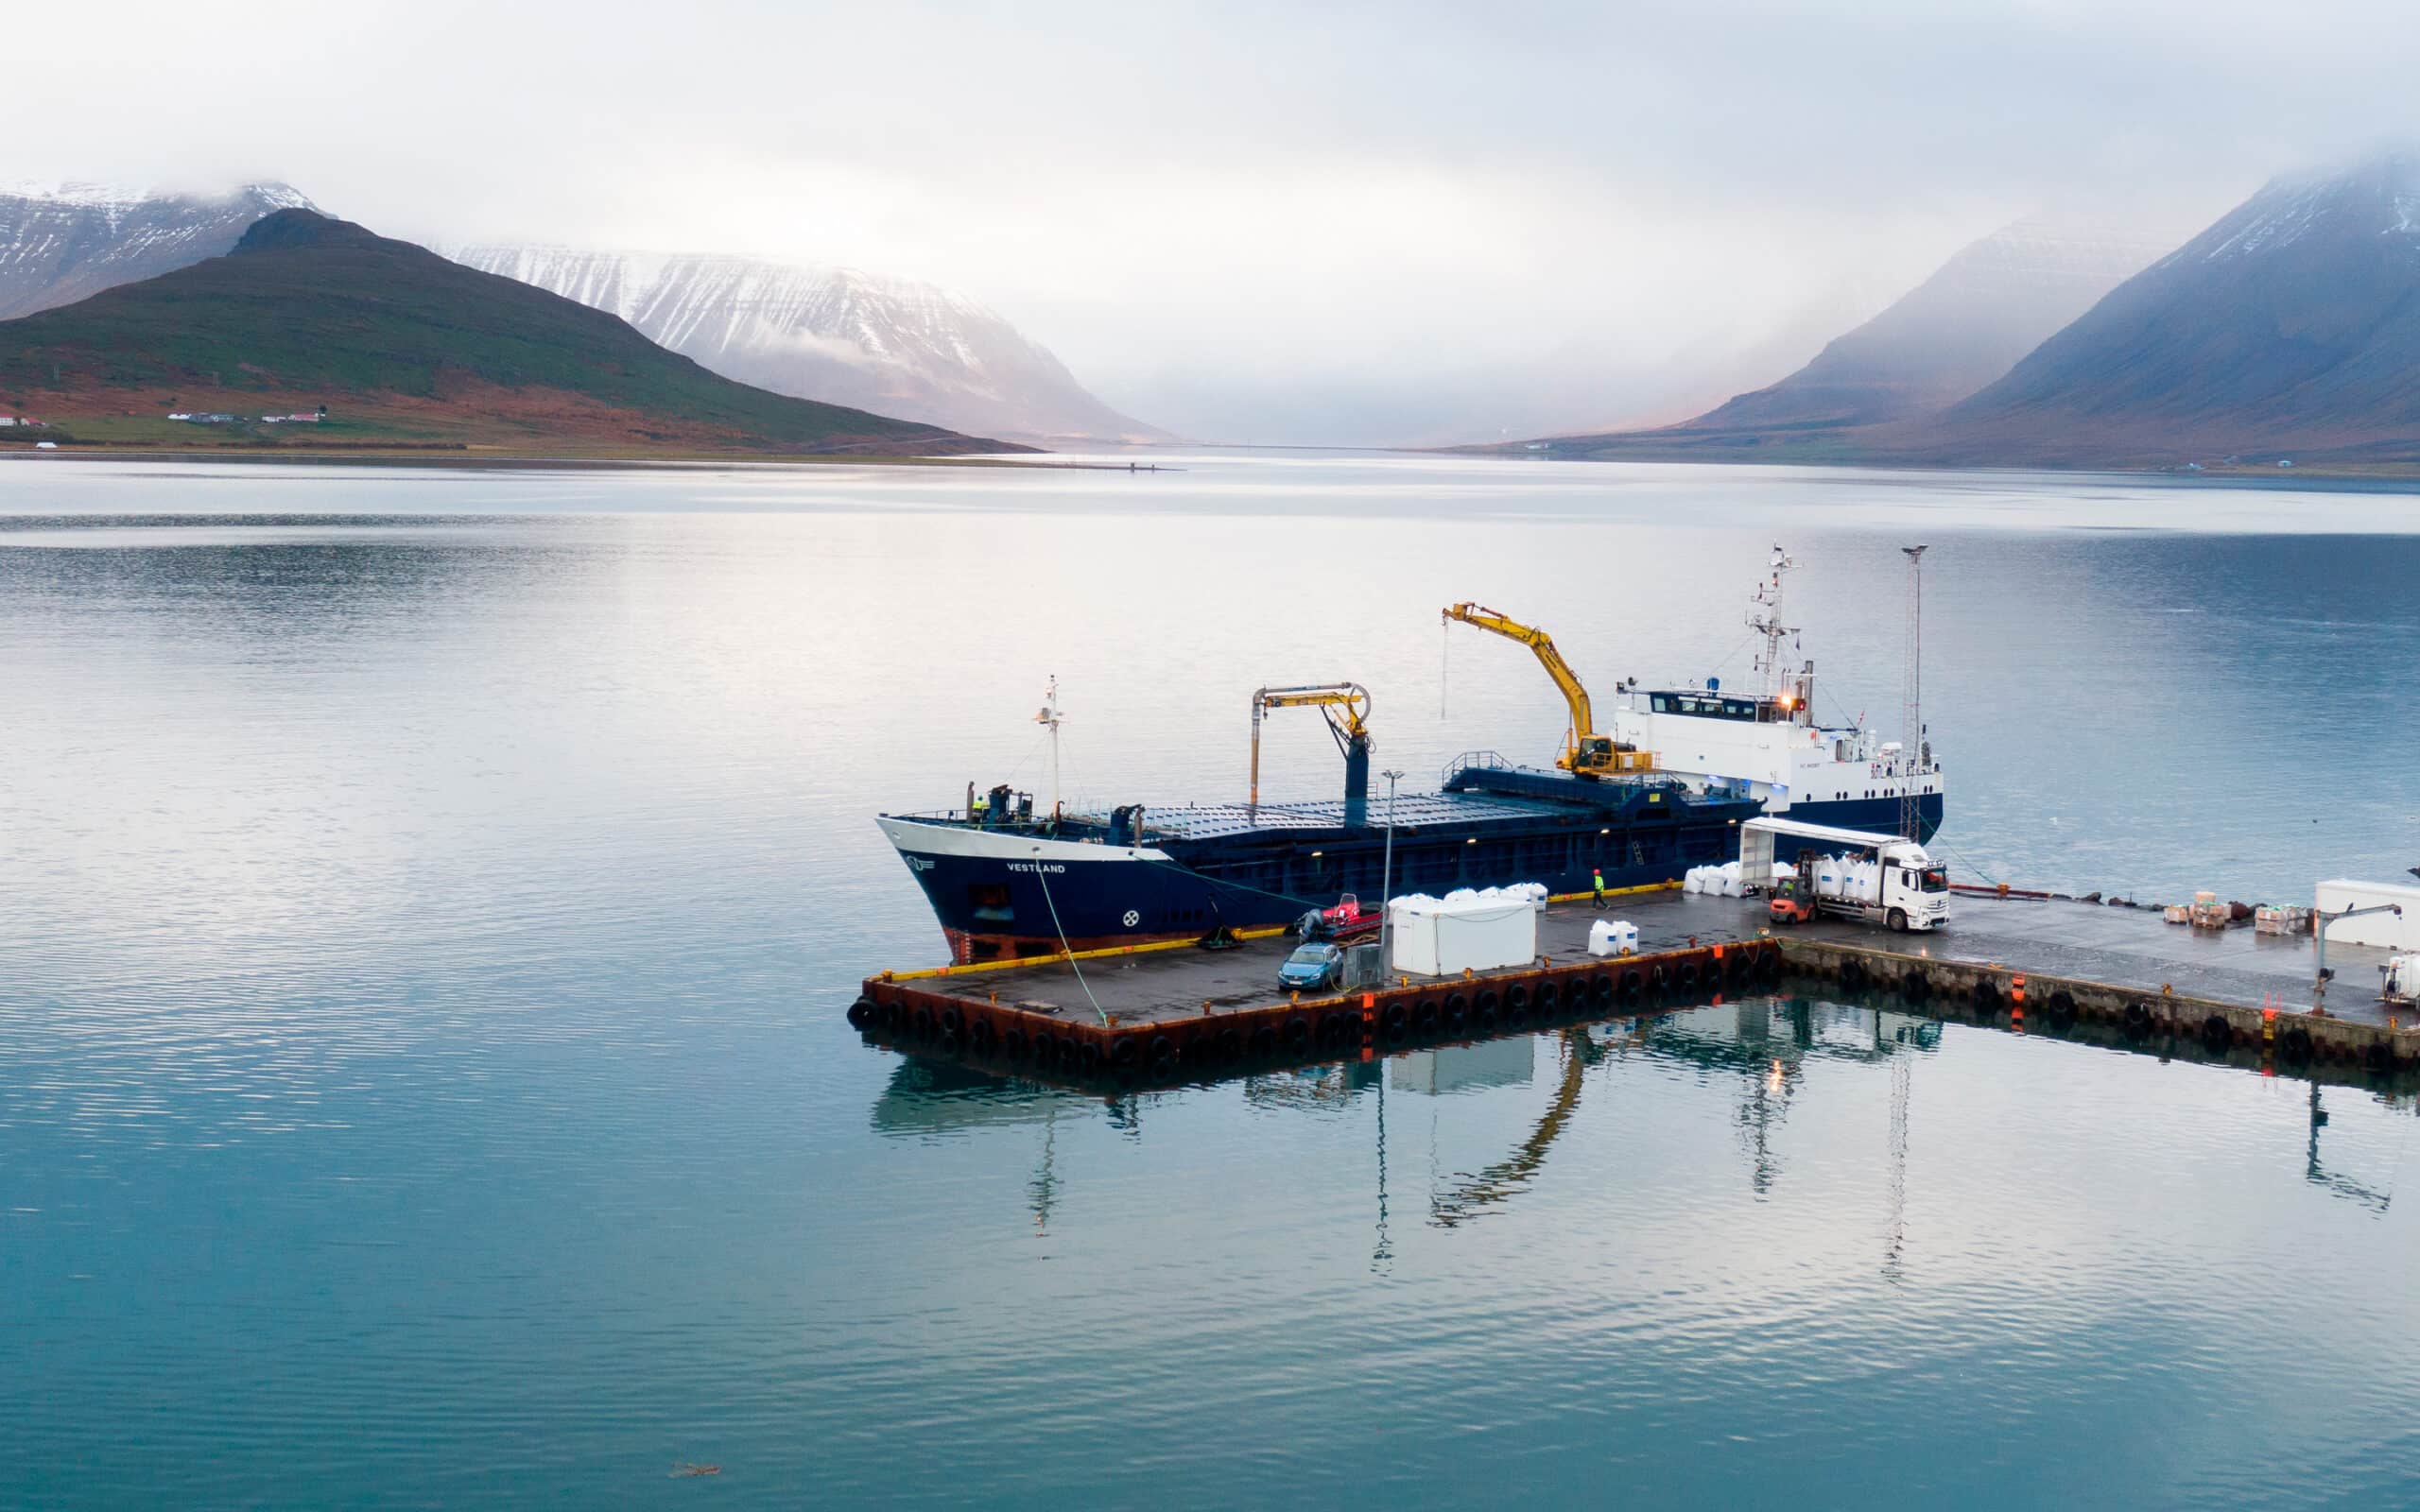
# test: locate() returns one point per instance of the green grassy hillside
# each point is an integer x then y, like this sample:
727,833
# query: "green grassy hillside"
310,309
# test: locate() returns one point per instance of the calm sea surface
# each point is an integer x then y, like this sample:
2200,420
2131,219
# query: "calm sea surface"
428,901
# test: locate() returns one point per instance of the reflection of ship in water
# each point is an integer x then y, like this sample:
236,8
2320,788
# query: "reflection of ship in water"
931,1097
1769,1041
1763,1043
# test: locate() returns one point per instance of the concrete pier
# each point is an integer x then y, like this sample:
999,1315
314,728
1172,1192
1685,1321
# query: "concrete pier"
1179,1012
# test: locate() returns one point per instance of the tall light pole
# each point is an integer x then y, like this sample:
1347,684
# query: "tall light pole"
1386,876
1912,703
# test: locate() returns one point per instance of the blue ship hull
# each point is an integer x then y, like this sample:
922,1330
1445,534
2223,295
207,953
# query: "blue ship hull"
1016,886
1028,888
1878,815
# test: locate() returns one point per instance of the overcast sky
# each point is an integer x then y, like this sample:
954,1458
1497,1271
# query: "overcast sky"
1273,222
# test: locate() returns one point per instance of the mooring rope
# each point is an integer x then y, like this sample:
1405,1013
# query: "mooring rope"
1042,875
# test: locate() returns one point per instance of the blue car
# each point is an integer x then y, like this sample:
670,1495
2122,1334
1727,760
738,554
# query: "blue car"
1311,967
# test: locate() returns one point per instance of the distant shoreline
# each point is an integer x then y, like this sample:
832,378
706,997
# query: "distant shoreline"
531,461
2388,476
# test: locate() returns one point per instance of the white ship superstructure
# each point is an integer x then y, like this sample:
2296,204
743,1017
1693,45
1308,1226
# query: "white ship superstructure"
1766,740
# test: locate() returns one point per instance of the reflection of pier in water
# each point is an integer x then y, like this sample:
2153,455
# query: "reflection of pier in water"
1765,1044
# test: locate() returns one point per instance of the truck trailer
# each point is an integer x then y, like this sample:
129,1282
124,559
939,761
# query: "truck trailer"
1877,879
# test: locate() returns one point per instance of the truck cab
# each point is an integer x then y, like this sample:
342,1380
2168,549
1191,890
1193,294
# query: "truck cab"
1915,889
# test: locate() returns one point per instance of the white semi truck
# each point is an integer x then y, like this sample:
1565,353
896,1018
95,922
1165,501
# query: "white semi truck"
1878,878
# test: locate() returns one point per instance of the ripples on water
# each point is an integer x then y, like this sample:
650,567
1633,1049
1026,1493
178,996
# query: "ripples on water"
432,898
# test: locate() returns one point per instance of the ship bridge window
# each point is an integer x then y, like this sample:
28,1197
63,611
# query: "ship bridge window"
1705,706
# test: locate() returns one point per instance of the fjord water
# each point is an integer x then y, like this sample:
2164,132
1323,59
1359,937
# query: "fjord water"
431,898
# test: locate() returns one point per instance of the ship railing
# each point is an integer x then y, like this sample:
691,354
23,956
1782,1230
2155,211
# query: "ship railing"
1041,826
1483,760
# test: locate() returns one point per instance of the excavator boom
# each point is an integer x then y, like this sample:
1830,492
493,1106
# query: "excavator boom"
1587,752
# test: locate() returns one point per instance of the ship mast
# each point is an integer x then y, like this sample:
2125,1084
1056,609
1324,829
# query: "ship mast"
1765,620
1049,718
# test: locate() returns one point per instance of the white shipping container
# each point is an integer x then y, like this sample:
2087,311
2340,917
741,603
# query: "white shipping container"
2383,930
1445,938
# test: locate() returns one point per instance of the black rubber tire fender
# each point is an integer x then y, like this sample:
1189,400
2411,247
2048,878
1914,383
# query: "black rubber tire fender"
2295,1046
862,1014
2137,1018
2378,1057
1297,1034
1549,993
1263,1040
1124,1053
1014,1044
1684,976
1161,1055
1423,1018
1600,988
1985,996
1633,981
1914,985
2216,1033
981,1038
953,1022
923,1022
1517,995
2061,1008
1230,1046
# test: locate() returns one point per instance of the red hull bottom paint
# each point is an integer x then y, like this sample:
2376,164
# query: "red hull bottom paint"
965,948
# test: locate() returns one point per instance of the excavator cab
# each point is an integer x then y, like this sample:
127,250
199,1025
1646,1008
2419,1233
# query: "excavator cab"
1597,755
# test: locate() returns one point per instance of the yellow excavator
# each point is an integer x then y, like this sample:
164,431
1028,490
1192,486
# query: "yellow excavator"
1586,753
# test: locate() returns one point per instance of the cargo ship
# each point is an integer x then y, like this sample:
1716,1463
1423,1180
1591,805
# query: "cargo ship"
1007,878
1007,881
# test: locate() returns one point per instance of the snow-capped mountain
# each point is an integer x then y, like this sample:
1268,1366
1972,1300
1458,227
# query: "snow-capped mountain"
888,345
2292,324
60,243
1989,304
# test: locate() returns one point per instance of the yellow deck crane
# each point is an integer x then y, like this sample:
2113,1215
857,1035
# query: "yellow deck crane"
1586,753
1347,708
